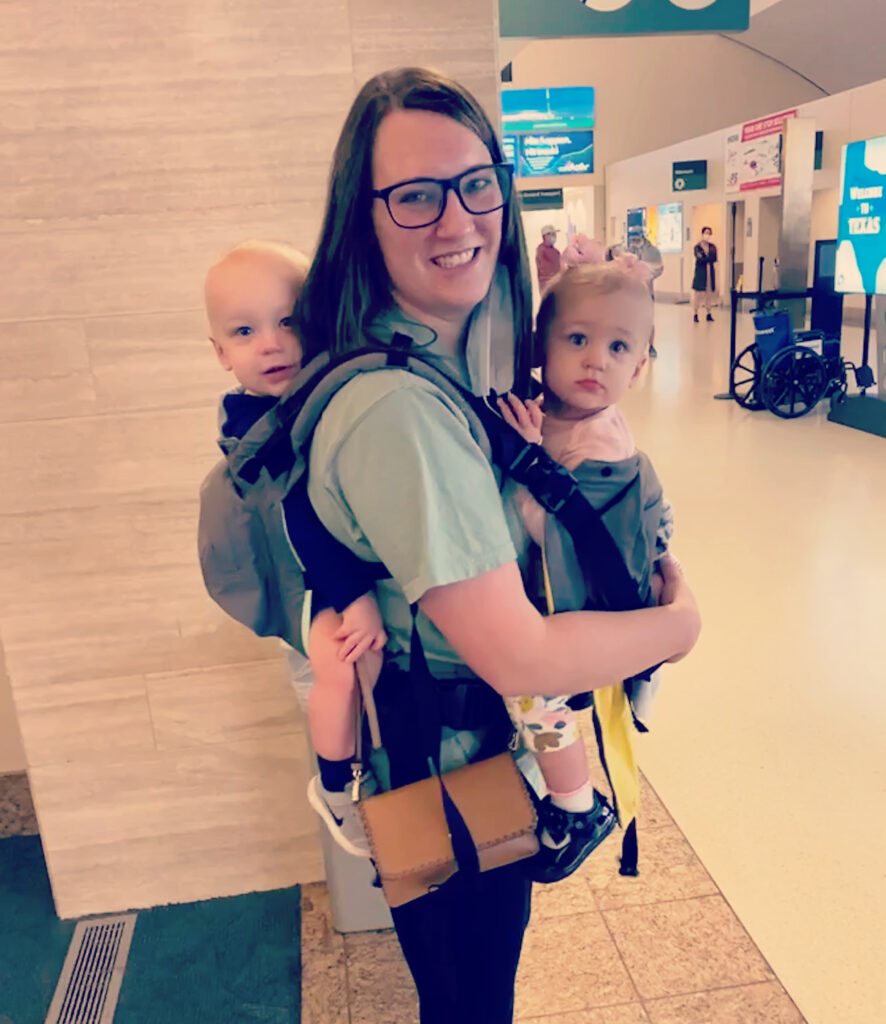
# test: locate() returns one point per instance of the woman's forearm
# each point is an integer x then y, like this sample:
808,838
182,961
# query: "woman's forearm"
494,628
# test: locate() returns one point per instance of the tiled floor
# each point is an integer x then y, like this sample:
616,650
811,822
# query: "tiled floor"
663,948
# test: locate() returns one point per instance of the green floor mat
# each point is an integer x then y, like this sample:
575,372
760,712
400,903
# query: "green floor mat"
220,961
33,942
225,961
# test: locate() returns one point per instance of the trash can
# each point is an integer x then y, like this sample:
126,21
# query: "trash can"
356,904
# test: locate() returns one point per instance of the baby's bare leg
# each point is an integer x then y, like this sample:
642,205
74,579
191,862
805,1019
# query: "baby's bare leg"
564,770
332,704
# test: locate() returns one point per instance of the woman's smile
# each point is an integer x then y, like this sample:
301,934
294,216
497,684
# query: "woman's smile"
453,260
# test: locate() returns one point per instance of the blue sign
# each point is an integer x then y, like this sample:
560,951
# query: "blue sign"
560,153
552,18
861,236
548,110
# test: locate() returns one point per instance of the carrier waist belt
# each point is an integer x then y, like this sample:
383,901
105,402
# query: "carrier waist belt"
464,700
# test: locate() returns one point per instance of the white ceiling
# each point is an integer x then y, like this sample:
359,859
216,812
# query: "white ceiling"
835,45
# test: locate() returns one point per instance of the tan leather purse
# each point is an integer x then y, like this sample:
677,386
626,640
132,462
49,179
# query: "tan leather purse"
409,832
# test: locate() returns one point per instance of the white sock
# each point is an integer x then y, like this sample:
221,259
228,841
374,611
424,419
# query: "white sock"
581,799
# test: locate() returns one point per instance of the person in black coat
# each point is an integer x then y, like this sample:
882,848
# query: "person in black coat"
704,281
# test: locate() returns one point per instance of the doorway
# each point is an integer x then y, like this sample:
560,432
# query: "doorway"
713,216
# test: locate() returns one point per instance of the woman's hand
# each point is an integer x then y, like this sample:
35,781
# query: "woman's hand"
525,417
675,593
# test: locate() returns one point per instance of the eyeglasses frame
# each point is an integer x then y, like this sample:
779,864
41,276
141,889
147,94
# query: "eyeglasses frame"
447,184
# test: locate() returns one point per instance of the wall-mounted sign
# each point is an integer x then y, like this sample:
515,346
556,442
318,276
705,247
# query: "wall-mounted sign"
549,131
570,108
690,175
753,155
542,198
861,248
560,153
534,18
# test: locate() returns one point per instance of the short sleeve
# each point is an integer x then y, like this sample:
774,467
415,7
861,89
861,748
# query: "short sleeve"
397,476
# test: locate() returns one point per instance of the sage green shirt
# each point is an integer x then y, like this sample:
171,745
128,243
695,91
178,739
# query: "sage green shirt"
397,477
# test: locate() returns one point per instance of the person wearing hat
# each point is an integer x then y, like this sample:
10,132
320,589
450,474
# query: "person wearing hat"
547,256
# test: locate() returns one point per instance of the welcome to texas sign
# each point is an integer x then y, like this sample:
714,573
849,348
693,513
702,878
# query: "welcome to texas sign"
552,18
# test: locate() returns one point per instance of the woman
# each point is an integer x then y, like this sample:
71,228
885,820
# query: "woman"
704,281
421,239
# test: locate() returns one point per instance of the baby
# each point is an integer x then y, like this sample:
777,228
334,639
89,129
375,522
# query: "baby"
250,294
595,326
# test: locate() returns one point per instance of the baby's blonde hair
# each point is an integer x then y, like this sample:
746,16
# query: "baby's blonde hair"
593,278
260,247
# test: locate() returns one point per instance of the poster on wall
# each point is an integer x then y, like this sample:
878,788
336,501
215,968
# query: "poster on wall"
670,227
549,131
753,155
636,223
652,224
861,235
732,161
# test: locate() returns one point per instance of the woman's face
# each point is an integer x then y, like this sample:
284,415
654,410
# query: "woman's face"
706,236
442,271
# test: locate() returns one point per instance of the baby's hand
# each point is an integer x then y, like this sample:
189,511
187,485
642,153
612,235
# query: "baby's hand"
361,629
525,417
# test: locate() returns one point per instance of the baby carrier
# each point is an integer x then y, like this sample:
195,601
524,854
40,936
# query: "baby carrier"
253,573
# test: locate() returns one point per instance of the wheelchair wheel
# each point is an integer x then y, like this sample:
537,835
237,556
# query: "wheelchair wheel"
793,381
746,378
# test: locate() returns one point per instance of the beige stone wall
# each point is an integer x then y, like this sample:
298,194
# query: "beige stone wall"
163,744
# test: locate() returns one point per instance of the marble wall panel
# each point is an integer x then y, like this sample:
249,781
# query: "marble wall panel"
129,263
139,143
96,720
156,360
462,44
222,704
87,461
177,826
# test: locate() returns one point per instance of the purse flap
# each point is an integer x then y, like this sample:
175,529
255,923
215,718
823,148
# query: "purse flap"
492,798
407,829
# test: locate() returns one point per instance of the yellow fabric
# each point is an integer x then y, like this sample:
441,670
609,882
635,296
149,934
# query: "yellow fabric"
616,730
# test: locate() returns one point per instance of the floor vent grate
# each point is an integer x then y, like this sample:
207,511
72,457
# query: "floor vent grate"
89,985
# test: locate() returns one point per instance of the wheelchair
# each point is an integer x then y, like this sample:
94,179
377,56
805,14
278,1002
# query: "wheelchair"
789,373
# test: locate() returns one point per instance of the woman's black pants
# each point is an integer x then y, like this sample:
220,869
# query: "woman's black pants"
462,944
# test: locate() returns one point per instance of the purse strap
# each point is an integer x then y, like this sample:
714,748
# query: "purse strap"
428,733
364,706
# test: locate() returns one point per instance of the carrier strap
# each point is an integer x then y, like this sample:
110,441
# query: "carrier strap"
281,443
556,490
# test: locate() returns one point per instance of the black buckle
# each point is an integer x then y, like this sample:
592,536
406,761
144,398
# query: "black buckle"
548,482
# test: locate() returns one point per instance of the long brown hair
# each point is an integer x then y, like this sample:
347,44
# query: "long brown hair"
348,285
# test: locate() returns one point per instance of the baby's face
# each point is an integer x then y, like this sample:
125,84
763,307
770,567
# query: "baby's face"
595,349
249,300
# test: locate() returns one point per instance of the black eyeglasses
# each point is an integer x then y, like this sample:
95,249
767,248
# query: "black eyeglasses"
419,202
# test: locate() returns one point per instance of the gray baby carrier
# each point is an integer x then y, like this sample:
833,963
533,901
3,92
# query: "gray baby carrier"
249,567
